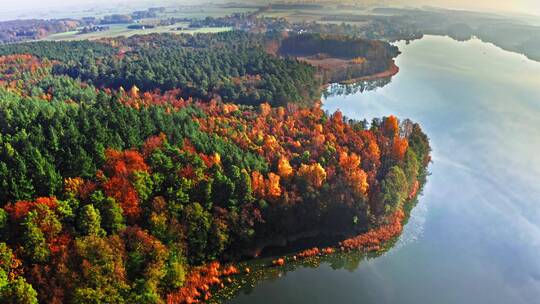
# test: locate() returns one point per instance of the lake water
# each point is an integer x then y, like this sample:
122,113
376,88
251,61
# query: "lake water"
474,237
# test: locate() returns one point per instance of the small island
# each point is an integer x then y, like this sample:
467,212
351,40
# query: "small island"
144,169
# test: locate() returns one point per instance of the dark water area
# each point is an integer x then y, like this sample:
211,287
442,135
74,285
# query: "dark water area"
474,236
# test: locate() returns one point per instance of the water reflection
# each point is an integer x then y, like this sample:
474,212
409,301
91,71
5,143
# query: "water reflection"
338,89
262,271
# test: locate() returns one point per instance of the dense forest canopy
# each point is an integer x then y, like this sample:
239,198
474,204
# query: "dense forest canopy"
337,46
67,51
118,196
232,65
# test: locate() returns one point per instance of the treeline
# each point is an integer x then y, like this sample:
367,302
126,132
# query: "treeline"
337,46
233,66
30,29
45,142
66,51
113,196
341,58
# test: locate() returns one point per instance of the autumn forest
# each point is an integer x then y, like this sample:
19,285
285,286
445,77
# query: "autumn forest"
138,170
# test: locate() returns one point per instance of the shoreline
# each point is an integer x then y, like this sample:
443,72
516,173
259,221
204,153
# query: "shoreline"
372,243
392,70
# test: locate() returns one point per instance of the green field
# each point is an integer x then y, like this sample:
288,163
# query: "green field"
199,12
118,30
311,15
203,12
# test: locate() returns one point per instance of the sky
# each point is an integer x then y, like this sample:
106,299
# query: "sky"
516,6
520,6
28,5
32,4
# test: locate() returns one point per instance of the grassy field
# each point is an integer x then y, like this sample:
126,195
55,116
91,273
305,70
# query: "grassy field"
310,15
200,12
119,30
357,23
203,12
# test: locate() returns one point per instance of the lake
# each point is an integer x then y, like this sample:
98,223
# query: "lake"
474,236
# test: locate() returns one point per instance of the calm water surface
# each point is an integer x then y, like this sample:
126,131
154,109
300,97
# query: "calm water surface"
475,235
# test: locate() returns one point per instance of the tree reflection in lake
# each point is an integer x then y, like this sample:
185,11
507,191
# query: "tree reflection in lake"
256,271
339,89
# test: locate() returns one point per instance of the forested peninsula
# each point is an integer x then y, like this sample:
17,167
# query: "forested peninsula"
140,170
342,58
232,66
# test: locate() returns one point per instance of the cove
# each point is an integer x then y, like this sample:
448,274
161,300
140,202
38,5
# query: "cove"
474,236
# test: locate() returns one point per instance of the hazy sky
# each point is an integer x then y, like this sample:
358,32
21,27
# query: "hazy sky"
30,4
524,6
36,4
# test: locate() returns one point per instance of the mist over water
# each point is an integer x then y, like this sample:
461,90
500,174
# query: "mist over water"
474,237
